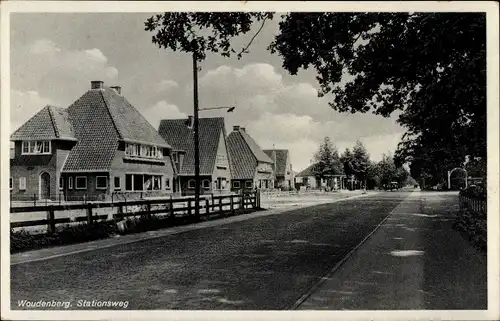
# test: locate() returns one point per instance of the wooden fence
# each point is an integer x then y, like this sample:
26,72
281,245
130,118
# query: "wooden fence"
473,202
216,205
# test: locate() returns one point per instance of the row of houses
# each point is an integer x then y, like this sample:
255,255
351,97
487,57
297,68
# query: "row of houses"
101,147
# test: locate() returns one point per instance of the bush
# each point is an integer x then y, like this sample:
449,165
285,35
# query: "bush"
23,240
473,227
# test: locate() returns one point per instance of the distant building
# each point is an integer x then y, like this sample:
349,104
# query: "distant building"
308,179
250,166
215,172
98,148
282,167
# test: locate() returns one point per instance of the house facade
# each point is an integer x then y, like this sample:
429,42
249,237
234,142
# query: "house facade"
215,172
99,148
284,177
251,167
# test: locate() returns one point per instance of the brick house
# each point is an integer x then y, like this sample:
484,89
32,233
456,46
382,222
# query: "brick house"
215,172
98,148
282,167
251,167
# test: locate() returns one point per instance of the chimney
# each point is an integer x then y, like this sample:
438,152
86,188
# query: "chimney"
190,121
236,128
96,84
117,89
242,128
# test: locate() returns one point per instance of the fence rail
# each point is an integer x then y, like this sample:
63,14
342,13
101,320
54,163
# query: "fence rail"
473,202
216,204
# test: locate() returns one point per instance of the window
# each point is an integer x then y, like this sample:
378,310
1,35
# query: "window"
22,183
156,183
248,184
143,182
129,182
117,183
206,184
138,182
167,183
101,182
35,147
191,184
236,184
70,182
144,151
61,182
10,183
81,182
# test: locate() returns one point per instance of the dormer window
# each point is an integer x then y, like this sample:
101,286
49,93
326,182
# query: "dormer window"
143,151
36,147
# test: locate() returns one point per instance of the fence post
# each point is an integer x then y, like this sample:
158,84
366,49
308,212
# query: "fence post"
242,200
171,207
120,211
51,226
148,209
189,207
207,206
232,204
89,214
34,199
221,210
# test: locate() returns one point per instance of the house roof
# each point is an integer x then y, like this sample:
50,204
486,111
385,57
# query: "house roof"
181,137
101,118
244,154
49,123
279,156
309,171
306,172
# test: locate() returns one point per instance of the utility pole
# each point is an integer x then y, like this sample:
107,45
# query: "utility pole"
196,140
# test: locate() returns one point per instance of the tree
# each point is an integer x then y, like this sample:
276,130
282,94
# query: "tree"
360,162
430,68
326,160
387,170
373,176
202,32
347,162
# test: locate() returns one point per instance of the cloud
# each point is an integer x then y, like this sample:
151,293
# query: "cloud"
290,114
24,105
44,59
166,85
162,110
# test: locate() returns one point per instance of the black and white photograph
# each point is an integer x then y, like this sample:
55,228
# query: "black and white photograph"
295,160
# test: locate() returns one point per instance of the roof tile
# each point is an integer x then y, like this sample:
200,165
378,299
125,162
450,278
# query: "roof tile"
181,137
49,123
244,154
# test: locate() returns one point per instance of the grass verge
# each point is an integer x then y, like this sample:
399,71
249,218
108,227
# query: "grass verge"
22,240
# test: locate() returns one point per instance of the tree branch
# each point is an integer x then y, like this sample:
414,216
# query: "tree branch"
244,50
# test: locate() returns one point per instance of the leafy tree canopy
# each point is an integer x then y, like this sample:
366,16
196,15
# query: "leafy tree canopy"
327,159
429,68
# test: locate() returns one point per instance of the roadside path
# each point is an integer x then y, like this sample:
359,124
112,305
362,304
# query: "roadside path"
415,260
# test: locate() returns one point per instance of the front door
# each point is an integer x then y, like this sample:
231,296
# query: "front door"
44,186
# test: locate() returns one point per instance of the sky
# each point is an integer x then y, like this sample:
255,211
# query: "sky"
54,56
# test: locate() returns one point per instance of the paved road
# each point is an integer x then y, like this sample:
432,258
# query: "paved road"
414,261
264,263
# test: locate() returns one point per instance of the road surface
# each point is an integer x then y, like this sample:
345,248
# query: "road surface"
269,262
